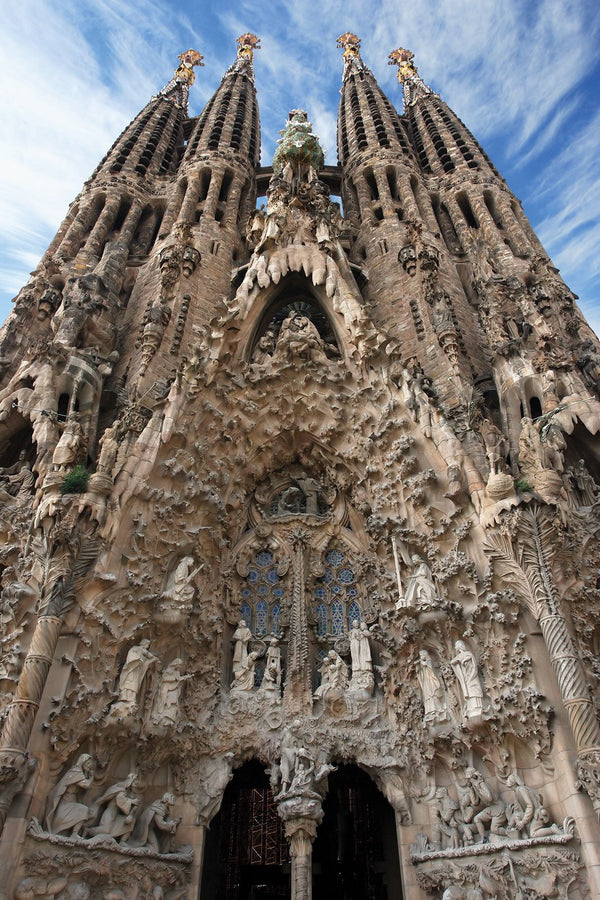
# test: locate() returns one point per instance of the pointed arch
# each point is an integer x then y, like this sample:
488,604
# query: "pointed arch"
269,304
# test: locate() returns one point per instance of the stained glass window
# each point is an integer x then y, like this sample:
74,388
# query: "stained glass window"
336,596
261,595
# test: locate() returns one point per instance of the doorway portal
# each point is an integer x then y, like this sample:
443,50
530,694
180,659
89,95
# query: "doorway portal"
246,853
355,854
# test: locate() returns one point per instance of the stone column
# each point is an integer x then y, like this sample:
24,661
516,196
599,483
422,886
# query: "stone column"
567,665
23,710
301,834
301,813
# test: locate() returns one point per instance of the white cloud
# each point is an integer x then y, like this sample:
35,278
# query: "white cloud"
515,72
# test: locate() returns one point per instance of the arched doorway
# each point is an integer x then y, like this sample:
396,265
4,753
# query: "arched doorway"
355,854
246,853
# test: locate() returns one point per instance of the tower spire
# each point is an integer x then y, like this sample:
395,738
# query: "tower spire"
244,63
413,85
352,60
178,88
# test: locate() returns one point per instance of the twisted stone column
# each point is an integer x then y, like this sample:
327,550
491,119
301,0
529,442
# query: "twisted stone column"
18,725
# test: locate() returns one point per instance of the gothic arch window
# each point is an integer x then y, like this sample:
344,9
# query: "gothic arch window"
296,300
261,595
336,595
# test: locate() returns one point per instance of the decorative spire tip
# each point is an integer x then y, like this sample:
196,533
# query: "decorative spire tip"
350,44
185,69
247,44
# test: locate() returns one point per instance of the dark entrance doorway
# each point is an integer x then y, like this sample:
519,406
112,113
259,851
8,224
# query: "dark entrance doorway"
355,854
246,855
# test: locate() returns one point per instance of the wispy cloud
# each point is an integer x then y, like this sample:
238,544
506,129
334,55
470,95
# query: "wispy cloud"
516,72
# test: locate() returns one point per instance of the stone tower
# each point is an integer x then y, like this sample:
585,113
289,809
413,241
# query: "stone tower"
300,521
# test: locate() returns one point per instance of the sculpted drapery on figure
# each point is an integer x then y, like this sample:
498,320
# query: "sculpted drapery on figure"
67,813
242,637
467,674
117,808
432,690
137,664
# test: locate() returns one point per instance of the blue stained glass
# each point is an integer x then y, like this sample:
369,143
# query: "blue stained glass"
319,592
353,613
336,589
264,558
277,592
346,576
275,620
334,558
246,613
352,592
246,592
271,576
253,576
321,619
328,576
337,617
260,626
262,589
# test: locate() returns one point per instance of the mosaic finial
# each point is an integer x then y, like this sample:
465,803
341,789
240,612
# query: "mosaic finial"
185,69
247,44
351,45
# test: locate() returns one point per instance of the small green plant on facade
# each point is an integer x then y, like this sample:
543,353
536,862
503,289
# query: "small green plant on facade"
75,481
523,486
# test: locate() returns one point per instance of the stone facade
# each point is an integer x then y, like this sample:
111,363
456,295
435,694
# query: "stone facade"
306,492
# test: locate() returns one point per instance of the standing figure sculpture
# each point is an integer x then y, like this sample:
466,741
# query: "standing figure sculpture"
362,681
432,690
166,701
242,637
137,665
272,676
467,675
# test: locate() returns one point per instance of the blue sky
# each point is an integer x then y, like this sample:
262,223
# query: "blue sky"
524,76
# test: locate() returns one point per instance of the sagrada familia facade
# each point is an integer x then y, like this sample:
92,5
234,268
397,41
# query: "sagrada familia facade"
300,527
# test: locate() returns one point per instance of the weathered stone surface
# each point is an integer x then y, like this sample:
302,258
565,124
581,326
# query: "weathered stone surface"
301,488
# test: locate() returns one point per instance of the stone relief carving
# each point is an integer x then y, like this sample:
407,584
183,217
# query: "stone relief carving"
466,670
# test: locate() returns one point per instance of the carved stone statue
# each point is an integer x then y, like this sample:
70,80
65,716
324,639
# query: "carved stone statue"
467,674
334,677
137,664
432,691
272,676
496,446
420,590
242,637
362,664
70,445
179,592
243,682
154,827
527,802
299,339
166,700
67,813
445,831
117,808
